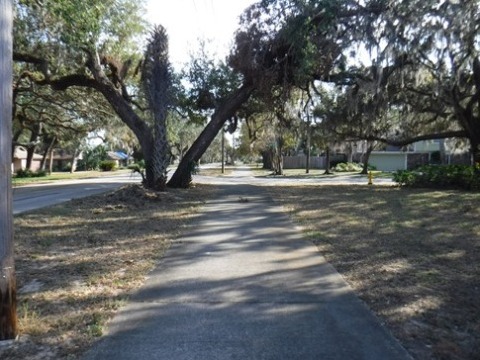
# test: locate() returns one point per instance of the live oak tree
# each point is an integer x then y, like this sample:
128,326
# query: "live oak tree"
286,44
420,78
66,44
445,50
268,61
215,90
425,68
43,118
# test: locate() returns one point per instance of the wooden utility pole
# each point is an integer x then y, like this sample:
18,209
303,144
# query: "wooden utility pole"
8,306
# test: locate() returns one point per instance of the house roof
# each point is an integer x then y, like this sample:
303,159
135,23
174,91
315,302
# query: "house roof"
21,153
117,155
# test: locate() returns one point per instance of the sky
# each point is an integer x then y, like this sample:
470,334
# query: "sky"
188,20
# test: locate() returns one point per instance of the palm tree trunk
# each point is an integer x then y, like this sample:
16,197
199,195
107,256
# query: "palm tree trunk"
156,79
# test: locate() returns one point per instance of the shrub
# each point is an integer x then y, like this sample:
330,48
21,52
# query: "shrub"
107,165
440,177
25,173
137,167
348,167
92,158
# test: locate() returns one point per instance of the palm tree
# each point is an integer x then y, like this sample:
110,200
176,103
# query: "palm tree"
156,80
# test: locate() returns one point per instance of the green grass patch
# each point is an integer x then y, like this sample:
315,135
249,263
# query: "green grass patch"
57,176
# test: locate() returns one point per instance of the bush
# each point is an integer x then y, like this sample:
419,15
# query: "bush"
107,165
348,167
92,158
25,173
440,177
137,167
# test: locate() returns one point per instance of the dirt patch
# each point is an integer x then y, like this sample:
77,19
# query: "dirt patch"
77,263
412,255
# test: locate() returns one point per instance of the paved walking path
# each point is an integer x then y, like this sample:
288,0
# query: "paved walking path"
245,285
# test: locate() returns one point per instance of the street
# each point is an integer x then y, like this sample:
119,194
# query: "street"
32,197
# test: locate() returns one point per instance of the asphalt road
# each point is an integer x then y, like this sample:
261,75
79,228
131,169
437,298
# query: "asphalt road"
31,197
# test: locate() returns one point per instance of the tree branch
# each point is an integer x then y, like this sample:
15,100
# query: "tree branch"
403,142
42,64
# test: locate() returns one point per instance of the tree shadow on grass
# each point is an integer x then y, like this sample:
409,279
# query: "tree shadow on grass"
245,284
412,255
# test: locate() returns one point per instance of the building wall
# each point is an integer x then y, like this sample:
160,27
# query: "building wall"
388,160
316,162
427,146
19,164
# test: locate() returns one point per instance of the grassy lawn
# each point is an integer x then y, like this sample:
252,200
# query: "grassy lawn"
77,262
215,171
412,255
56,176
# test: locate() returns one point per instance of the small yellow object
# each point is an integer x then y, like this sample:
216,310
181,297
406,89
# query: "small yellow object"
370,178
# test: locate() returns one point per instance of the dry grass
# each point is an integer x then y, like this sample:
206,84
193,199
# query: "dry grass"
216,171
77,263
412,255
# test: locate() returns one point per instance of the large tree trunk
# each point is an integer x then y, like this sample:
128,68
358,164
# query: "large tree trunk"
475,150
267,160
8,302
35,132
182,177
114,96
101,83
74,160
30,152
48,152
278,155
309,148
50,161
366,157
327,161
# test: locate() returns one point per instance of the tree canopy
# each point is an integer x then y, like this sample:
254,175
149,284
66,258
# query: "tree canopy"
401,70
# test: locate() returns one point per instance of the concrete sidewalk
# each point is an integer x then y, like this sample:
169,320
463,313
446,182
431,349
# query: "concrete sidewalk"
245,285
